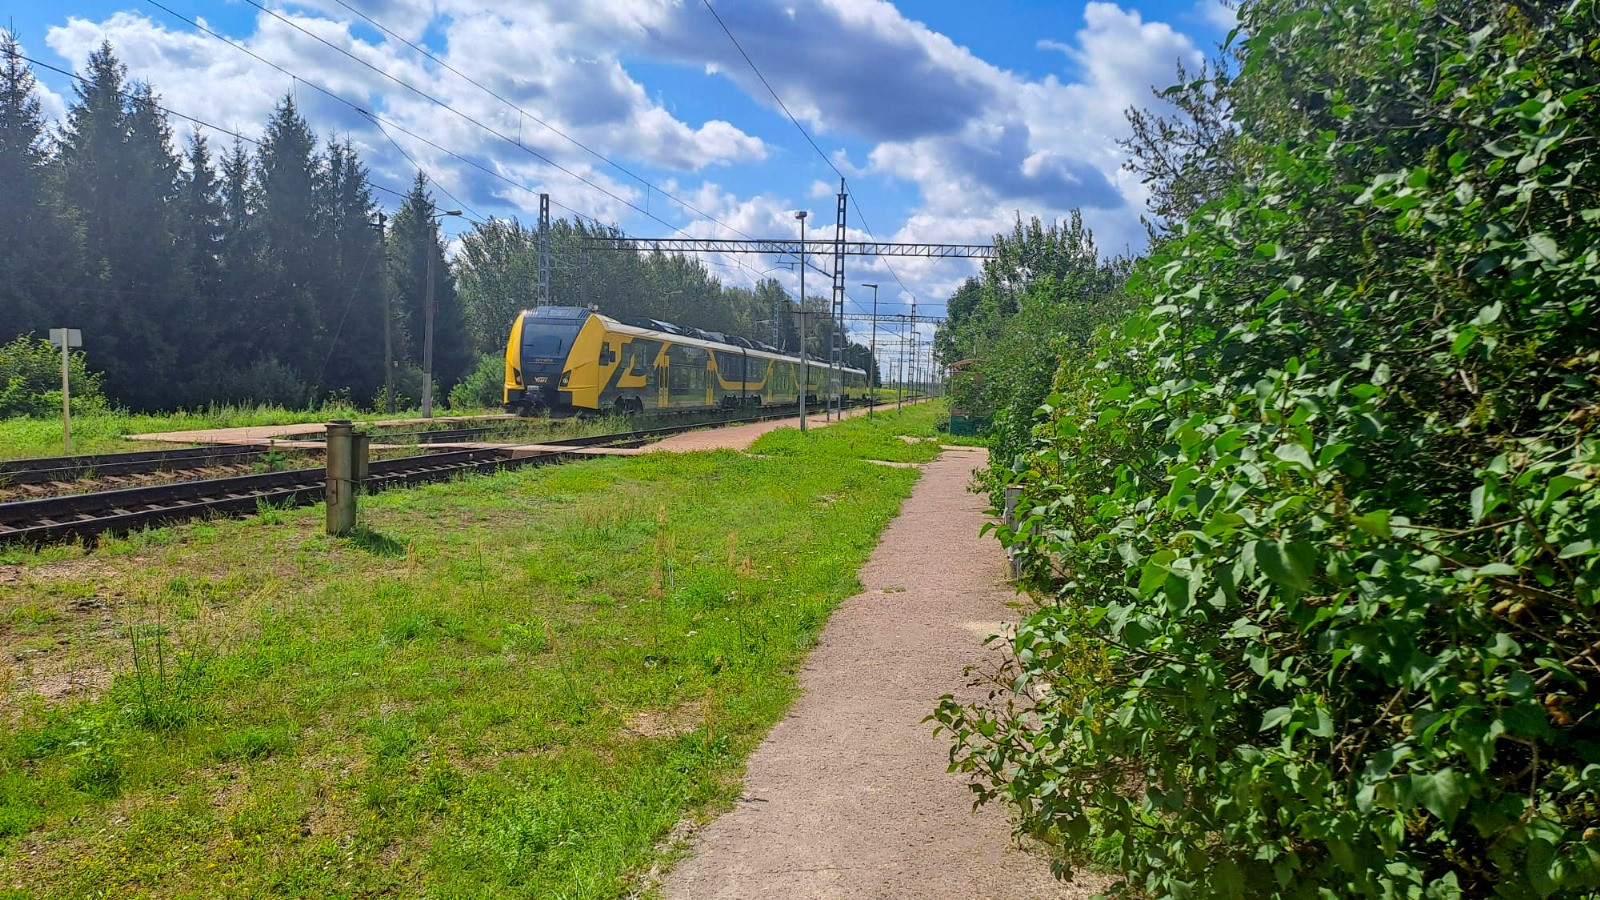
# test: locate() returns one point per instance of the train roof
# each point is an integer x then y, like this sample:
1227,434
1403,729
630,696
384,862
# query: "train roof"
693,337
682,334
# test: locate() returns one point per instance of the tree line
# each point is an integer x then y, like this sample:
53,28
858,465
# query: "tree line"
262,272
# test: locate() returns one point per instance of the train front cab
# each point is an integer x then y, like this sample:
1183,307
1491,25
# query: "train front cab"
538,351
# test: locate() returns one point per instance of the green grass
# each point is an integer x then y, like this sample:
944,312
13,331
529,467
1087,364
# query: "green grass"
105,431
505,686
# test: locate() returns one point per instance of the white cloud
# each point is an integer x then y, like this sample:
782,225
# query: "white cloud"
1221,13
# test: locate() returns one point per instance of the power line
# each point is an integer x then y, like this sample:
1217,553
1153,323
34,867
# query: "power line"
391,123
170,111
781,105
524,112
456,200
459,114
803,133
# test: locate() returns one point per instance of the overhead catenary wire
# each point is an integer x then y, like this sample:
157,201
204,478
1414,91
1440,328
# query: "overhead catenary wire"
391,123
488,129
524,112
804,133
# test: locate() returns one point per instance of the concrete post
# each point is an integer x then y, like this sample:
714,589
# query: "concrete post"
341,477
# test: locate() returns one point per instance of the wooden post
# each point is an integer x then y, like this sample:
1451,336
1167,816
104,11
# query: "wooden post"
341,477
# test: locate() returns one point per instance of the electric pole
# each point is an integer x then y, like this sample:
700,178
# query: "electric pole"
388,316
427,317
805,367
872,369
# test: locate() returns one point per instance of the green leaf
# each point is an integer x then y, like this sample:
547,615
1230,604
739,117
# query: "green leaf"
1288,565
1375,523
1443,793
1296,454
1545,247
1273,717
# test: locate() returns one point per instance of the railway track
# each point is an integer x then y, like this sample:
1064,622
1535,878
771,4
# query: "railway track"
86,516
60,469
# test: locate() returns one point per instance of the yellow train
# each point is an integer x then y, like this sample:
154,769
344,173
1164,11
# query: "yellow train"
565,360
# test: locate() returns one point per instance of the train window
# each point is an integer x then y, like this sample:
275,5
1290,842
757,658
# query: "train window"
641,359
607,355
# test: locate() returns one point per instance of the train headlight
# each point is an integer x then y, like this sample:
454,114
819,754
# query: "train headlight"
566,377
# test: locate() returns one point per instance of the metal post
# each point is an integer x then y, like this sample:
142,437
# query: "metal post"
427,338
900,397
388,324
836,313
872,369
805,364
544,250
340,489
915,338
66,395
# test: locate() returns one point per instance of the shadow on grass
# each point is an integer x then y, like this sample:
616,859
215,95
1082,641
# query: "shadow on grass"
376,543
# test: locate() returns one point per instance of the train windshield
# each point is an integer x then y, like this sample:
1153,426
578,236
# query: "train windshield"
549,337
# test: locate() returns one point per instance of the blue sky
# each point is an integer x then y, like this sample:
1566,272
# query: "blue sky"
948,118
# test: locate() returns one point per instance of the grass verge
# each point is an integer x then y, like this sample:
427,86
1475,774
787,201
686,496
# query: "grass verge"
504,686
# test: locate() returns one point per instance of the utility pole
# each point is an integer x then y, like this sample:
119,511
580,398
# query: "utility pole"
900,385
427,320
805,366
388,316
914,339
872,370
544,251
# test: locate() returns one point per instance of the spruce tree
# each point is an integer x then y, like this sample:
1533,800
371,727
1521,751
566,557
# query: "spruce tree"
352,308
37,265
120,181
200,232
286,317
415,235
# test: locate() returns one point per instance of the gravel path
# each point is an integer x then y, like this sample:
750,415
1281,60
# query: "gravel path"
848,796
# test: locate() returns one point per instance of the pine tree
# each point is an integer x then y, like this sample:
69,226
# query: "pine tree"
286,317
415,235
120,180
200,233
353,307
36,267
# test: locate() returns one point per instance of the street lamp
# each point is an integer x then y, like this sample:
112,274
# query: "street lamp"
427,327
872,391
805,366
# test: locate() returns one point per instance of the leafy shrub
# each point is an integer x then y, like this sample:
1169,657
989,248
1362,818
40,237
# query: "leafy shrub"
267,381
30,379
484,386
1318,527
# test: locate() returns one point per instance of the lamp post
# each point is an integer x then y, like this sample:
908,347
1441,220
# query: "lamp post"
805,365
872,390
427,326
388,318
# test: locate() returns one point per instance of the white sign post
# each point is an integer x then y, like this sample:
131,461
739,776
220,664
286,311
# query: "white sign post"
67,339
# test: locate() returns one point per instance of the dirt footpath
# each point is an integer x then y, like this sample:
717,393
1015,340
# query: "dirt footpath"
848,796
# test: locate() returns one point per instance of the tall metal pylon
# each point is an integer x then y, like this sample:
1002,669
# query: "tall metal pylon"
543,298
837,360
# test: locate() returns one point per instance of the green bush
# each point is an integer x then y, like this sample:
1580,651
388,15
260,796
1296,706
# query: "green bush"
1317,529
484,386
30,379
